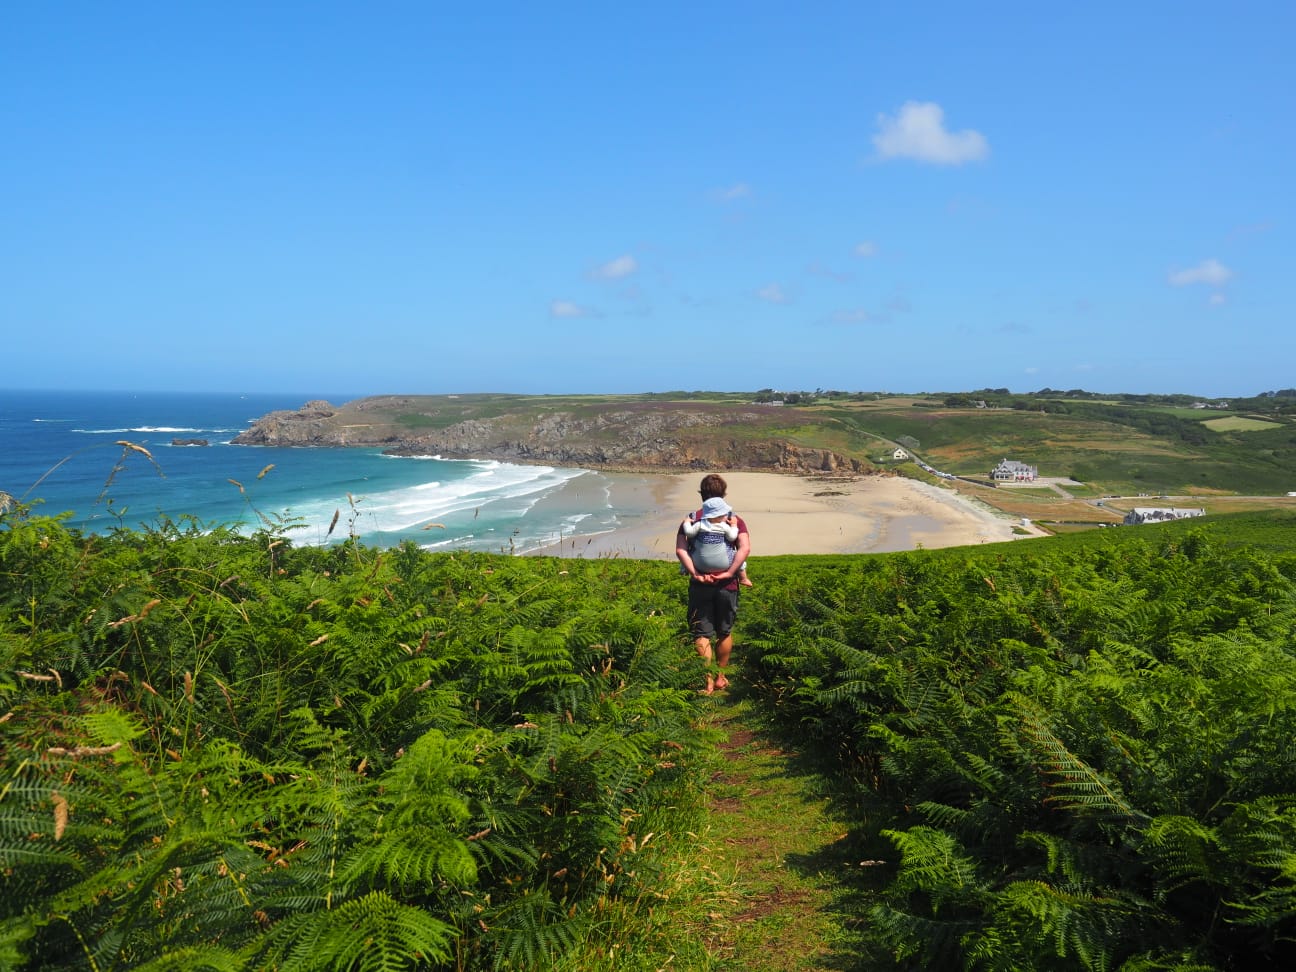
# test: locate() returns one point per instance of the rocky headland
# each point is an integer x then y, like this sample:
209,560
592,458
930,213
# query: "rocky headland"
617,433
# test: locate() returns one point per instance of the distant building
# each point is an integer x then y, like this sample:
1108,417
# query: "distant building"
1012,471
1157,514
899,455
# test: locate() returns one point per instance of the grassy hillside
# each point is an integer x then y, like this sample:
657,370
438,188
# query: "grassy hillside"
1116,448
1052,749
225,752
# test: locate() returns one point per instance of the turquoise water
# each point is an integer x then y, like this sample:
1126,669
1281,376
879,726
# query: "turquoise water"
65,451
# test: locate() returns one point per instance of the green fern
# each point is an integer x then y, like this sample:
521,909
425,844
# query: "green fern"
1073,784
373,933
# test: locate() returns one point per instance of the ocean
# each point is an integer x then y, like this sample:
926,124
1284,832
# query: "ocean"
62,450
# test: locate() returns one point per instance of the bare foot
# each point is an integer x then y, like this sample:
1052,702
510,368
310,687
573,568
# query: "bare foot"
721,683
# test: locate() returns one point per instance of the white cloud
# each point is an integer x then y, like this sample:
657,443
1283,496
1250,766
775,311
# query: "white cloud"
819,270
772,293
856,316
622,266
565,308
1208,272
898,304
918,132
739,190
866,249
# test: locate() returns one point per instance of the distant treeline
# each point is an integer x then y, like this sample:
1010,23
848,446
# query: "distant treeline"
1282,401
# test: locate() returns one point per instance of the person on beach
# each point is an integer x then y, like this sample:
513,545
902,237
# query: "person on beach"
713,594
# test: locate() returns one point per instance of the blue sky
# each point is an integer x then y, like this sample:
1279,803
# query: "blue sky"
555,198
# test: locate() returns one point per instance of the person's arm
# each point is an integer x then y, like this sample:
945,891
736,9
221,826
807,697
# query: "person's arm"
743,548
690,528
682,552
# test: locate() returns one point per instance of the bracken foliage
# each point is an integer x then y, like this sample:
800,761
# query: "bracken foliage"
224,752
1081,756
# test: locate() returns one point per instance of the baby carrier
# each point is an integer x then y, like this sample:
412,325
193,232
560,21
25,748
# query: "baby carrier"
710,549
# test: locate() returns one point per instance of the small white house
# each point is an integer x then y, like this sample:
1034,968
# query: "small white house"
900,456
1012,471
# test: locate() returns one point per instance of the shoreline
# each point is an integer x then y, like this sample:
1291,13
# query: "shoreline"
791,514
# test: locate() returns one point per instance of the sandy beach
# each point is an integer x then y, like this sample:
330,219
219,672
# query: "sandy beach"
796,515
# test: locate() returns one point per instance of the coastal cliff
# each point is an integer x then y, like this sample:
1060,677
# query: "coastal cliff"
595,432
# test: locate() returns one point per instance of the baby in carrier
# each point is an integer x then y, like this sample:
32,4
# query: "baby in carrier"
713,539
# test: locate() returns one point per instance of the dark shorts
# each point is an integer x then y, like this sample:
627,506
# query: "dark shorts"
712,610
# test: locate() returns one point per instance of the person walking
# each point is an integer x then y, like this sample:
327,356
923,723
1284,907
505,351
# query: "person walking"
713,593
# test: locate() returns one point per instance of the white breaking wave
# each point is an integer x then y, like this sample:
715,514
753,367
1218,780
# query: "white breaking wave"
167,429
494,498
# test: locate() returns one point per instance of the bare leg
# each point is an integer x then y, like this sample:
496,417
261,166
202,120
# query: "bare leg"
704,651
723,647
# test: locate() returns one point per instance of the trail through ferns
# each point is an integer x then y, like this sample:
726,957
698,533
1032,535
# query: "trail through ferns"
790,872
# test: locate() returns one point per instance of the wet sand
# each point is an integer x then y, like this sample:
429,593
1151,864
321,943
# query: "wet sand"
794,515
